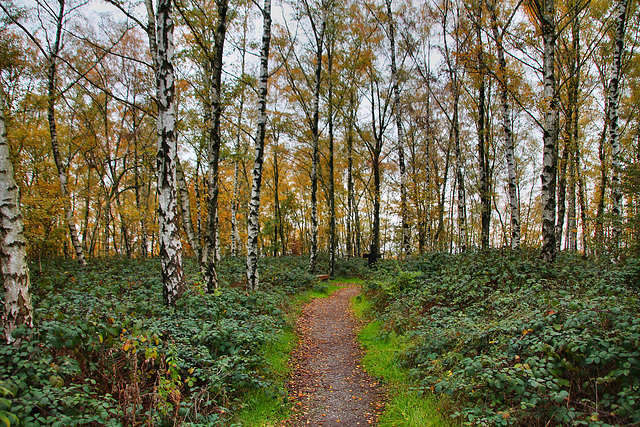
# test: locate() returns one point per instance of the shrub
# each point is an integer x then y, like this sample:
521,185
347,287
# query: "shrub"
517,342
106,351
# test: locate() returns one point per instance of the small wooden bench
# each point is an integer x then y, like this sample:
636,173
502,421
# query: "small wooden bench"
323,277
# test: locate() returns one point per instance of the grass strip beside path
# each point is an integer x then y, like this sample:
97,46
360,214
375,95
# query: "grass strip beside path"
270,407
406,407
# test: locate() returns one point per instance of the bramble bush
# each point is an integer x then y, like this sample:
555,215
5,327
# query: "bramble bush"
514,341
106,351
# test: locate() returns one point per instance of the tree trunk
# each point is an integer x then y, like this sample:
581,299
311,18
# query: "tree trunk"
185,204
62,172
332,196
214,145
573,99
276,199
602,184
507,129
18,309
397,107
168,220
461,200
562,197
315,156
254,206
483,170
550,132
350,191
614,116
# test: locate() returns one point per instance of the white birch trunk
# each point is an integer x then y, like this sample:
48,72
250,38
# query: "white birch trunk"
315,155
507,129
168,219
185,204
18,309
550,133
235,235
614,116
62,171
253,229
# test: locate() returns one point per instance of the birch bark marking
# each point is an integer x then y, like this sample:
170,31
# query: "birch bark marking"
507,129
55,148
214,145
254,205
550,131
168,219
484,169
315,156
332,195
185,204
406,232
614,127
18,309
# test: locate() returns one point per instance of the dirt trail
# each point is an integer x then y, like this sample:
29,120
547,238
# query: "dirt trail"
329,387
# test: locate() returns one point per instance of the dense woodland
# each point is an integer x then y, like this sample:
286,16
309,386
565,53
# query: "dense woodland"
411,127
237,140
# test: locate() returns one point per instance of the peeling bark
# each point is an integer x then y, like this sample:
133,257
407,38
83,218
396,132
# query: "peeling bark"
550,132
18,309
168,219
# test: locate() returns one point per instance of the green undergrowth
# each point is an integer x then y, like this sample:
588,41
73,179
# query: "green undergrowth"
105,351
406,406
511,340
269,406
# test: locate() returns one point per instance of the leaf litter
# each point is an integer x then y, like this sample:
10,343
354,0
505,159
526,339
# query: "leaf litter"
329,387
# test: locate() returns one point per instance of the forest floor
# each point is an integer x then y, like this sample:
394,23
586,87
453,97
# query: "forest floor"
329,386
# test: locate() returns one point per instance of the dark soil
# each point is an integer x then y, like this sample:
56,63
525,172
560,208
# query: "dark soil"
329,386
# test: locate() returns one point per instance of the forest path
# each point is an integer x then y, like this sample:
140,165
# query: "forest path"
329,386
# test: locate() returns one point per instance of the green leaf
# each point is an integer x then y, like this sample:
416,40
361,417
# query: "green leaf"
4,419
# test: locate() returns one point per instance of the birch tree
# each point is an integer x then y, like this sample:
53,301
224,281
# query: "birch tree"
166,160
397,108
484,170
507,125
18,309
51,52
212,51
315,132
543,12
451,59
614,117
253,228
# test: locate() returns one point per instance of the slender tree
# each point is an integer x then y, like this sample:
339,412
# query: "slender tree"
315,131
253,228
18,309
397,108
51,55
168,218
507,126
614,117
483,133
544,14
